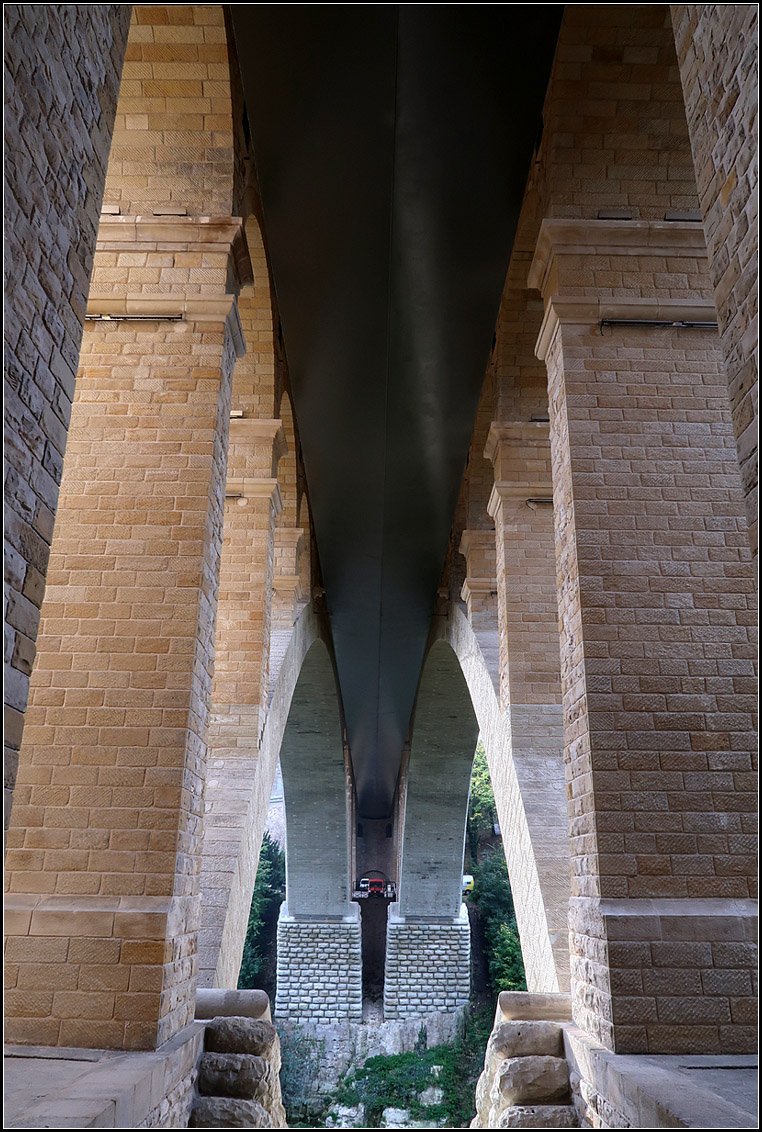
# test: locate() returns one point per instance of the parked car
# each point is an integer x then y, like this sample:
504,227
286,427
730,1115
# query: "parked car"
468,883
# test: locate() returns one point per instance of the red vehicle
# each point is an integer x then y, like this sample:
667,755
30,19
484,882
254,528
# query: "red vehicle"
375,886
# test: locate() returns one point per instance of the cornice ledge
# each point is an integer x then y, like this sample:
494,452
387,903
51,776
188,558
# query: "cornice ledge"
289,584
254,488
181,307
515,432
288,537
259,430
589,312
189,231
478,587
504,491
473,537
612,237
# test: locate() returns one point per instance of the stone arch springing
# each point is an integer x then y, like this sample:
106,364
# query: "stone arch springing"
428,937
457,699
231,852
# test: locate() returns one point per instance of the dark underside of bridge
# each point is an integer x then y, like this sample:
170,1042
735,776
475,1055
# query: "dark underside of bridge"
392,147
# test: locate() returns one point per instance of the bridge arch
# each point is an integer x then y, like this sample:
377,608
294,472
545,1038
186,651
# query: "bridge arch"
458,698
530,797
227,878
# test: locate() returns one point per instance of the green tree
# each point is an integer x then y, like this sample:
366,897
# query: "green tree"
269,887
492,889
481,802
506,964
492,893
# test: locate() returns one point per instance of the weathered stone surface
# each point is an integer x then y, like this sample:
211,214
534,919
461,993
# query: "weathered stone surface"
483,1102
431,1096
235,1075
524,1080
240,1035
228,1112
524,1006
523,1039
395,1118
224,1003
538,1116
346,1116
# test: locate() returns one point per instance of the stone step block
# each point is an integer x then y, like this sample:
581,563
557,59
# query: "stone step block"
538,1116
228,1112
529,1080
524,1039
240,1035
236,1075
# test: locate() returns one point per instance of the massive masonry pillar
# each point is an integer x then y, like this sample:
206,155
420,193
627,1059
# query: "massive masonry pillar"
428,942
319,939
530,686
104,843
54,177
657,653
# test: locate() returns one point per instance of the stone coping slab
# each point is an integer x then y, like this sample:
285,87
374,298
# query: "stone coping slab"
213,1002
653,1091
57,1087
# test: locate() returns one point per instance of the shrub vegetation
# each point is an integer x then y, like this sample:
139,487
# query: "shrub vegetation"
269,890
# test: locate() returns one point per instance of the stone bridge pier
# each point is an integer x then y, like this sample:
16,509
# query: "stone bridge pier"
319,933
428,942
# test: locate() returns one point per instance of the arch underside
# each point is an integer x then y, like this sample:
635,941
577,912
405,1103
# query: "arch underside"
530,797
227,890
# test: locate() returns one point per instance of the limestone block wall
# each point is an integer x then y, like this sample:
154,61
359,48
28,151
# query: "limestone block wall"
717,46
614,130
62,70
428,966
319,968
